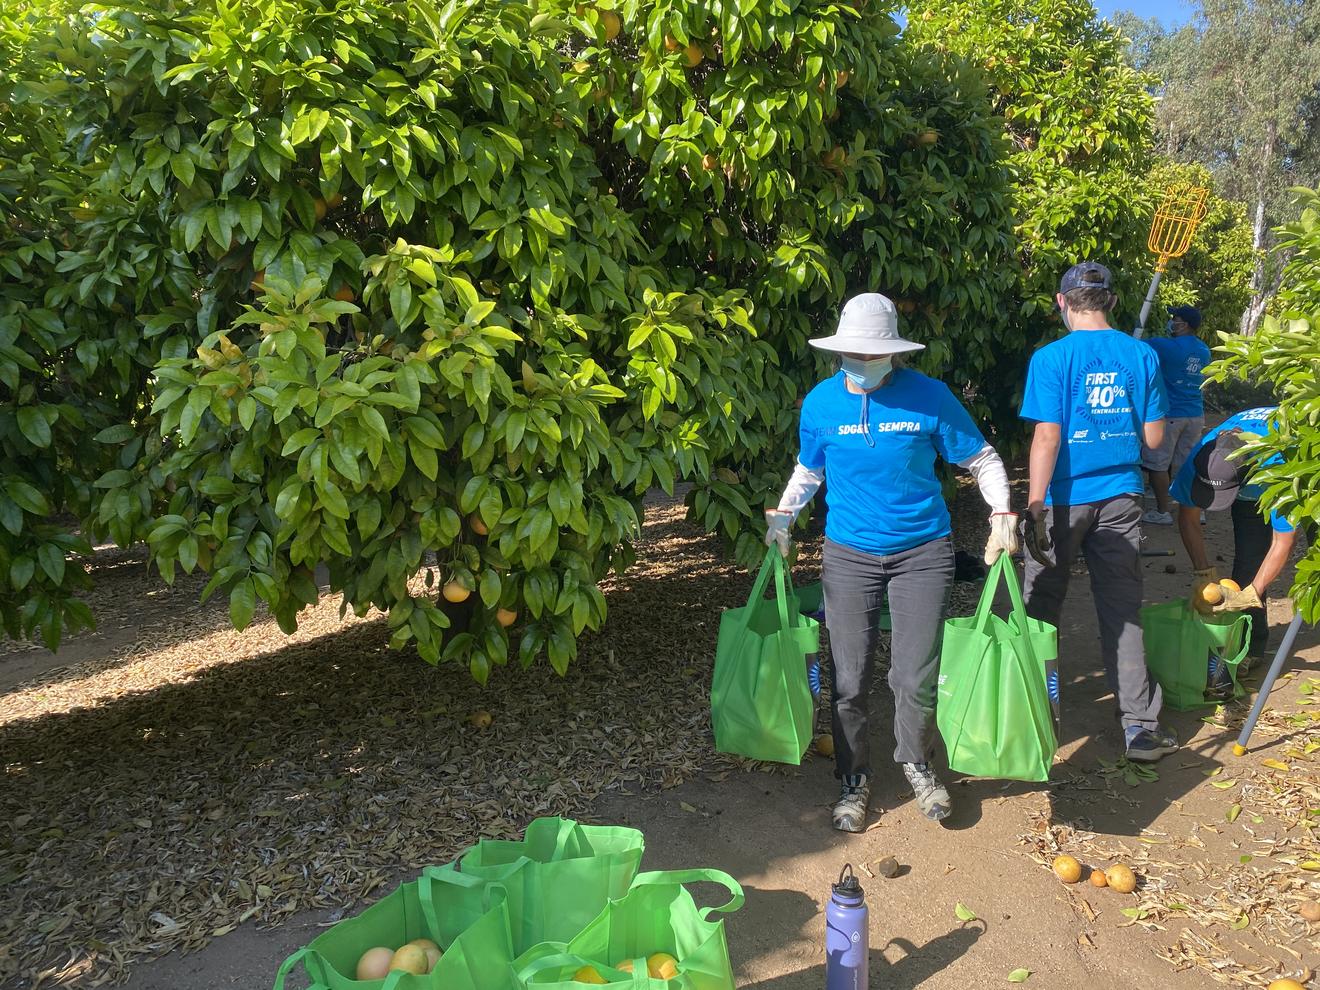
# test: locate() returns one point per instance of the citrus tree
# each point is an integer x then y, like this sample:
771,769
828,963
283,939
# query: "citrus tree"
1079,121
1283,356
386,285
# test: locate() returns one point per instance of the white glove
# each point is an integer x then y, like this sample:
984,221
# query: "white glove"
1003,536
777,522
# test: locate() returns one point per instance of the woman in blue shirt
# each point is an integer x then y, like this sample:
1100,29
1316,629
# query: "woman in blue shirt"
873,432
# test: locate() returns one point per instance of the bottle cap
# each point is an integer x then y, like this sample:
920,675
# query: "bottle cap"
848,885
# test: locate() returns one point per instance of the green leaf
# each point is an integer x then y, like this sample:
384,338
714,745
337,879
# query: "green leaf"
34,426
963,912
52,562
27,498
21,571
242,603
1019,976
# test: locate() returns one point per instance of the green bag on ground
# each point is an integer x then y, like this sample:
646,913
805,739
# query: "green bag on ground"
467,919
1179,643
998,688
556,879
658,915
760,702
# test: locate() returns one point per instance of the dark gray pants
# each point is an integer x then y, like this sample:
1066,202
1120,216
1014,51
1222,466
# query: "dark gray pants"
1252,536
855,584
1109,533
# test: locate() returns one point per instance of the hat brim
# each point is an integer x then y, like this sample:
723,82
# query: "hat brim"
1211,499
848,344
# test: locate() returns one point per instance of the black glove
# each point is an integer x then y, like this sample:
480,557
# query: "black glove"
1035,532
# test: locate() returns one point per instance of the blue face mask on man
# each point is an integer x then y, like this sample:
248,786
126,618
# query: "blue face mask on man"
867,374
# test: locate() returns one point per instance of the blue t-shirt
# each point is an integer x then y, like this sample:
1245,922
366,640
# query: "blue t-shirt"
1100,386
1181,361
878,454
1248,421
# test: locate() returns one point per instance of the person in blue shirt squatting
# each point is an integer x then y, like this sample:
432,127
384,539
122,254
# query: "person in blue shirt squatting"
1214,478
872,433
1095,396
1182,356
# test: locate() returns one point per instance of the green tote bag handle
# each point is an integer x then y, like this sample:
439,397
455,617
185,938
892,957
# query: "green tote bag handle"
696,876
426,894
1001,570
806,637
287,966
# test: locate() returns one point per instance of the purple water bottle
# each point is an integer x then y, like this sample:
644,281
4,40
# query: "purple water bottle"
847,946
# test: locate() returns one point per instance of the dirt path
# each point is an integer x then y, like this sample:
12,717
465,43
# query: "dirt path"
768,826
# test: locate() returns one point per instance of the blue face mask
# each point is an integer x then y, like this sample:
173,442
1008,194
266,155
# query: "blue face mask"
866,375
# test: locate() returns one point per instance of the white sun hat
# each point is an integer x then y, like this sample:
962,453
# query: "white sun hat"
868,324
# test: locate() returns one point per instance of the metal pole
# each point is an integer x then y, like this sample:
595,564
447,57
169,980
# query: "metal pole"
1150,301
1276,668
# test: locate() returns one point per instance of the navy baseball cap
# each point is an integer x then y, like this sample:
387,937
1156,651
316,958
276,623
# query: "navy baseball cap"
1217,478
1086,275
1188,314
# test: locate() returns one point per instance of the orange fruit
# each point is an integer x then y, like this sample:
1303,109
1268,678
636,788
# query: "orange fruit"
693,55
335,201
588,974
259,279
1067,869
1210,596
410,959
835,157
344,294
1098,879
661,966
671,45
610,21
624,967
455,592
481,719
478,527
506,617
1285,984
824,744
928,138
709,162
841,78
431,949
1121,879
375,963
1228,584
319,208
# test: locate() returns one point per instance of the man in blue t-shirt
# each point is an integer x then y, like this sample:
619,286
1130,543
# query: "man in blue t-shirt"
1096,396
1182,356
1213,478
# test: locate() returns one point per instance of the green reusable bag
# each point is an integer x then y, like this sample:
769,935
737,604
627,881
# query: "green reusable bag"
1179,643
760,702
658,915
556,879
468,919
999,688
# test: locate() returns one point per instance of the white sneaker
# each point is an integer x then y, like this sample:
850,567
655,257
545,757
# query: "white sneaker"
1157,518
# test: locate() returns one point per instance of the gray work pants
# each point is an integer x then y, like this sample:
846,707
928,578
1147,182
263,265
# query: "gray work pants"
1109,533
855,584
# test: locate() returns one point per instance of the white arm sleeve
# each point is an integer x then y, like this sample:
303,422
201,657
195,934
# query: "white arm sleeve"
802,485
990,476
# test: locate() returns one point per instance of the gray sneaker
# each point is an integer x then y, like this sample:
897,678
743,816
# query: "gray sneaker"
850,811
932,796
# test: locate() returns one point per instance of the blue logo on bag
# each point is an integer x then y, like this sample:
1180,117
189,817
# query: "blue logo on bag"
813,675
1052,684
